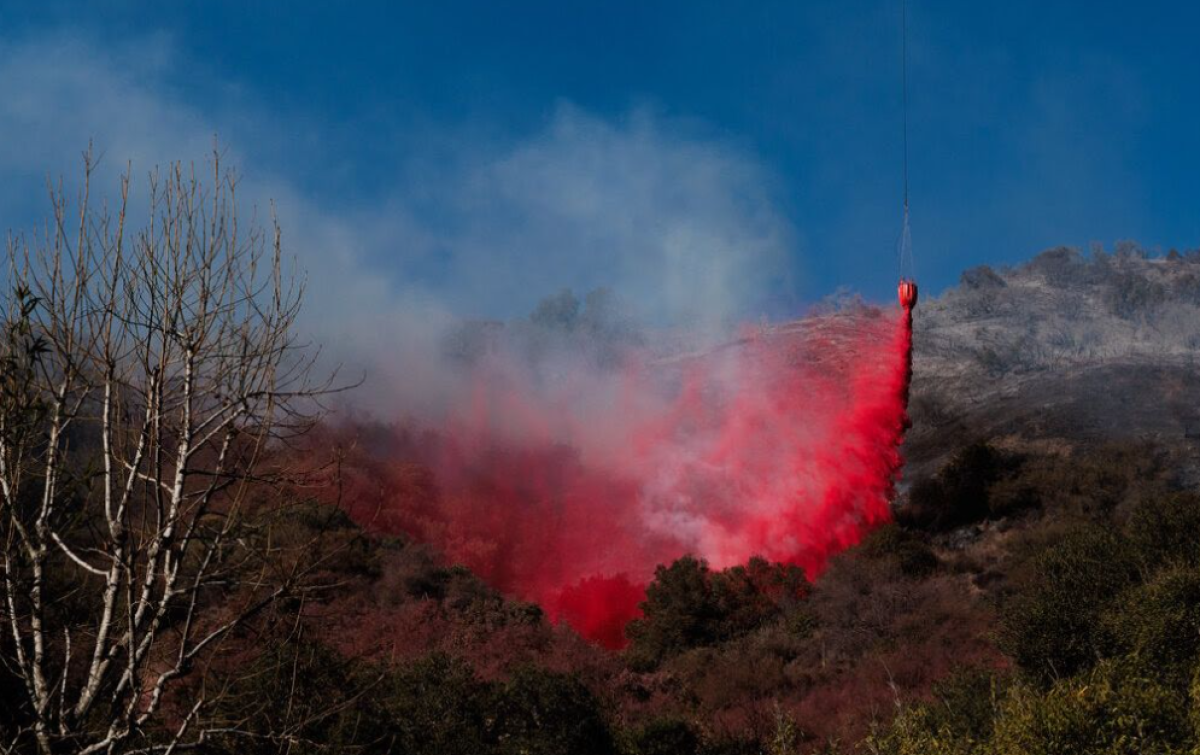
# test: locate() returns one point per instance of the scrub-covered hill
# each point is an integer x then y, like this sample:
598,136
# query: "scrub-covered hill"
1039,591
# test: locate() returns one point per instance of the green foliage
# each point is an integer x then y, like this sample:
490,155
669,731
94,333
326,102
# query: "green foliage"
960,719
679,613
1194,712
1158,625
1050,628
1112,710
689,606
785,739
911,554
981,482
1086,599
748,596
662,736
966,703
1103,626
298,696
959,493
319,534
1164,530
436,706
1088,484
917,731
542,713
303,697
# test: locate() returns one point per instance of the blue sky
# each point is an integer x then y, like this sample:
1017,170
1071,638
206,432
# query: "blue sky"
482,154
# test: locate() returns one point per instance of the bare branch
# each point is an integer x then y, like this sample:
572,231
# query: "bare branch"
146,374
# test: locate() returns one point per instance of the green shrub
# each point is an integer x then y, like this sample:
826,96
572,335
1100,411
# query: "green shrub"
1164,530
436,705
959,493
1158,625
1089,483
786,736
911,554
749,596
1112,710
1051,627
662,736
298,697
916,731
689,606
679,613
960,719
1194,710
966,703
538,712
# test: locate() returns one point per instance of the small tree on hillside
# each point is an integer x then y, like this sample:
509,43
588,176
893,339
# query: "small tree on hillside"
145,375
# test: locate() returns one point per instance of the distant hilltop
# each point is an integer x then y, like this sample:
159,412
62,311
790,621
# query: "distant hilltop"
1068,347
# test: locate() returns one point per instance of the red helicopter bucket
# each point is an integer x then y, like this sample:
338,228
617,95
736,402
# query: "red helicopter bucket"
907,293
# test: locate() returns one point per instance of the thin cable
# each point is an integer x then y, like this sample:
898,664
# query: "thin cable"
904,258
904,89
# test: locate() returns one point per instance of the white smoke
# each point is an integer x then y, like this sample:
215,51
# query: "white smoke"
682,227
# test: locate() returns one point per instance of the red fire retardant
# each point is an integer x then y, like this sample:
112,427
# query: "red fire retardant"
784,443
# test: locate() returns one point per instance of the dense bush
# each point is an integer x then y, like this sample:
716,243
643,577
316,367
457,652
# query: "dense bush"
1102,622
1051,627
297,695
435,706
982,482
1109,711
911,554
1164,530
689,606
1090,484
960,719
1158,625
959,493
966,703
303,697
662,736
537,712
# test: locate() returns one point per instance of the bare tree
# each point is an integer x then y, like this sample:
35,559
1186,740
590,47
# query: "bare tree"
146,377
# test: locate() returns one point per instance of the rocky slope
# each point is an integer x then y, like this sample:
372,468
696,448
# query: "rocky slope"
1065,349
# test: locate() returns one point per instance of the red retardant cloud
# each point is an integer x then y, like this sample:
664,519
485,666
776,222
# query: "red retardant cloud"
783,443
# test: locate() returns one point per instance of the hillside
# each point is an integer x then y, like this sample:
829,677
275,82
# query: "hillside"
1050,403
1038,592
1062,350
